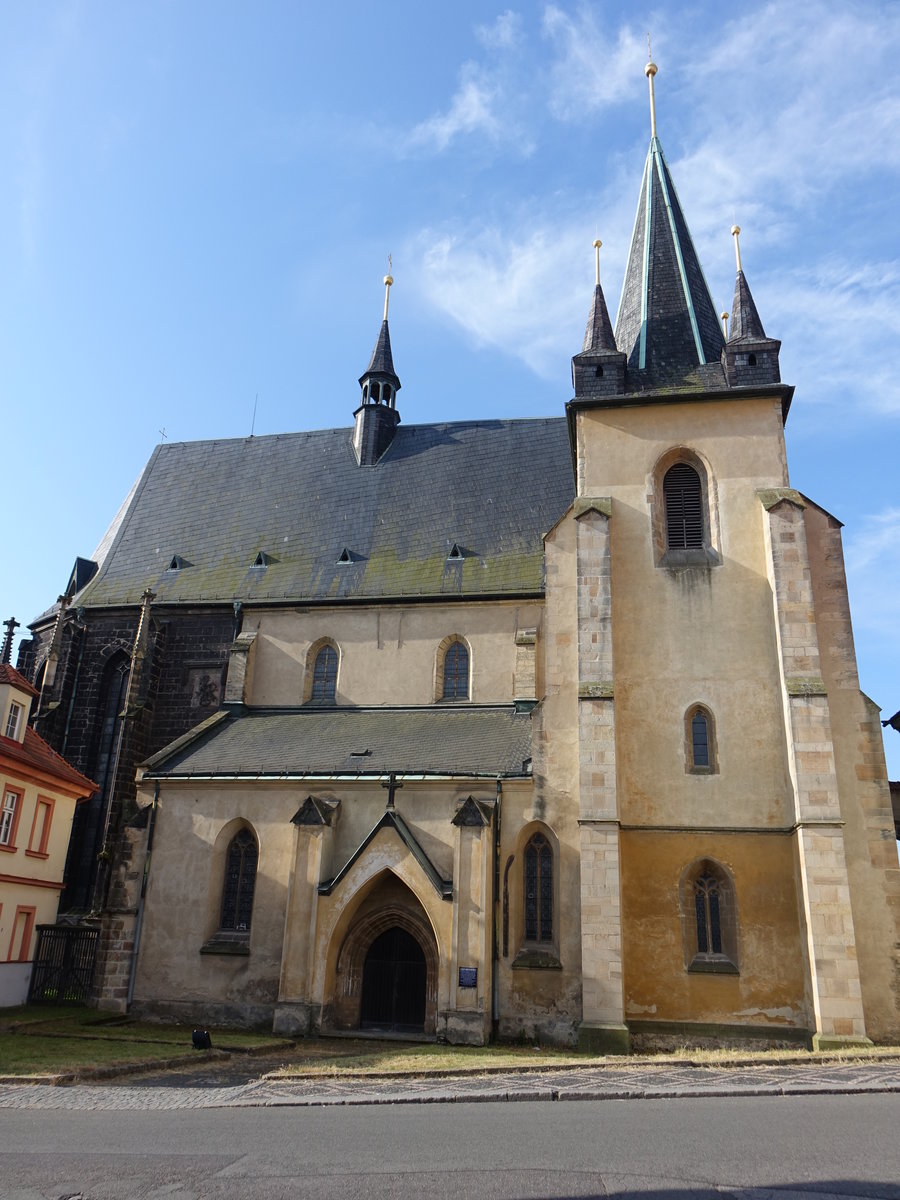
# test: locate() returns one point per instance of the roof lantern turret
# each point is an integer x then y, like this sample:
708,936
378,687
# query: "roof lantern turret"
599,370
749,357
377,417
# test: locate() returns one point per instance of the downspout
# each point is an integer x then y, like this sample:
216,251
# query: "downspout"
151,825
137,654
495,951
82,629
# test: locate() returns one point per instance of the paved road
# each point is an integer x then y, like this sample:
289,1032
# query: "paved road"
749,1148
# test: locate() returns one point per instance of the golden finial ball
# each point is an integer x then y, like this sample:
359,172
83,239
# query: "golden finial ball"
735,230
388,280
651,68
724,316
597,243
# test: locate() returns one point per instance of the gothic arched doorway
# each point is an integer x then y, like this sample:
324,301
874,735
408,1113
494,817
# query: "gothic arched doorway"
394,984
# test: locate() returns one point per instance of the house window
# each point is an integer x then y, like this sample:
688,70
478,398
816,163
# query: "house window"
700,741
9,819
40,829
538,890
12,721
240,882
683,497
456,672
23,927
710,919
324,682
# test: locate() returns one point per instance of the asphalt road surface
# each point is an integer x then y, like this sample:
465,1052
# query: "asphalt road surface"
753,1147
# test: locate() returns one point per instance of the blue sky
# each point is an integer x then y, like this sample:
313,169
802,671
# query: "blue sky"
199,200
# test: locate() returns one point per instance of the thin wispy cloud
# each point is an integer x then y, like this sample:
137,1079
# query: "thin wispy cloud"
503,33
593,66
473,109
872,558
488,102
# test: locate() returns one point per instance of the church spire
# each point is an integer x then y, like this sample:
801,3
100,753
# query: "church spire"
599,334
377,417
599,370
667,324
745,322
749,357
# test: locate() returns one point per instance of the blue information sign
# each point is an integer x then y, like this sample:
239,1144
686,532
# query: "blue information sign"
468,977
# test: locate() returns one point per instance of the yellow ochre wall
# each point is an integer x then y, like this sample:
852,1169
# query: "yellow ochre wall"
770,986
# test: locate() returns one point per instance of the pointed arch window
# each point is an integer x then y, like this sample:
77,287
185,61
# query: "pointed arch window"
683,497
710,919
538,890
456,672
324,680
700,751
239,885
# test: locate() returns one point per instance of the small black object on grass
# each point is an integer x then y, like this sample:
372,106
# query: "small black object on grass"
201,1039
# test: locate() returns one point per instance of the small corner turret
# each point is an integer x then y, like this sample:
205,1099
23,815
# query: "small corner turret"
749,357
377,417
599,370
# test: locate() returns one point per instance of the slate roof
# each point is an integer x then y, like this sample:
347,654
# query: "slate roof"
599,334
476,741
382,360
745,322
492,487
667,323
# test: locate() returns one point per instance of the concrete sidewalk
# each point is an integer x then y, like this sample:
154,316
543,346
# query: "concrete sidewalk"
606,1082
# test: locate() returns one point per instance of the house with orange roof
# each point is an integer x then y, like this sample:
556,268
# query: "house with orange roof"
38,795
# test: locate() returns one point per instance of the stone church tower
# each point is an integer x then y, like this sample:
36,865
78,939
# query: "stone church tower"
737,857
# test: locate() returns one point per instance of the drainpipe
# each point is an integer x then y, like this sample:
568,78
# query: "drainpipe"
82,630
495,952
140,913
137,658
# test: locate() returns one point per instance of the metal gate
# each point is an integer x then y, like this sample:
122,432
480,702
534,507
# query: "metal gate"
63,964
394,983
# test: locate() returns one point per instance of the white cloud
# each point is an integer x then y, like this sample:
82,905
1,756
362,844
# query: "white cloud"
592,68
473,109
512,288
504,33
872,557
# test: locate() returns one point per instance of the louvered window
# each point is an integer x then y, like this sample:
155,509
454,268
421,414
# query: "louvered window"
538,890
684,508
240,882
456,672
325,674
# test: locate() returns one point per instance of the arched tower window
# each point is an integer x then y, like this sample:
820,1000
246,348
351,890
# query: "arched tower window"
324,674
709,914
683,496
700,751
239,884
683,511
538,891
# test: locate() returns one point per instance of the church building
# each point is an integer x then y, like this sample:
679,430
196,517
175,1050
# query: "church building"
545,728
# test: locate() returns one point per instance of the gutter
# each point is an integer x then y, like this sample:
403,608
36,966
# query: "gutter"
360,777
